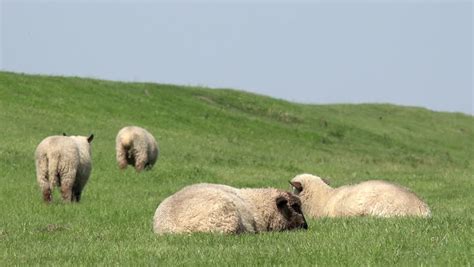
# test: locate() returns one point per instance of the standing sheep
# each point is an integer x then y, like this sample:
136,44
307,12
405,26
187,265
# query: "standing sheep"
137,147
63,161
224,209
370,198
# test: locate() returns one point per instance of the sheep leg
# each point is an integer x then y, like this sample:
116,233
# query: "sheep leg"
140,164
45,189
47,195
140,161
67,183
148,166
122,157
153,156
42,177
77,191
66,192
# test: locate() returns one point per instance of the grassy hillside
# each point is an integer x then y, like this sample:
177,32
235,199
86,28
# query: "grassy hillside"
234,138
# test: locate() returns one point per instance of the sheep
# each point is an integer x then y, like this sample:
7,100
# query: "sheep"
137,147
224,209
63,161
370,198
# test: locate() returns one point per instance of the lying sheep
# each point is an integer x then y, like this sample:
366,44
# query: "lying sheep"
137,147
224,209
63,161
370,198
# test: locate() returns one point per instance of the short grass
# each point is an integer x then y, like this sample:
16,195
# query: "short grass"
234,138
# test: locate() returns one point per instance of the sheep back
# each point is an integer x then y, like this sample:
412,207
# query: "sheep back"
203,208
376,198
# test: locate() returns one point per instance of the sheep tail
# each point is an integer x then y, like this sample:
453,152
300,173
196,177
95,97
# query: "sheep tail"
126,140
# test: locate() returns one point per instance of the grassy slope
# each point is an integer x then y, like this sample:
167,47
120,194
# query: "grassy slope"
235,138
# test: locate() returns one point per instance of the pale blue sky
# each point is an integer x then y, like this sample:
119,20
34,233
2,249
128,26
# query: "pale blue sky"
416,53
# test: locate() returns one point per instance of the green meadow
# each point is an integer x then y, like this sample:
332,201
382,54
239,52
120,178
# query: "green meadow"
234,138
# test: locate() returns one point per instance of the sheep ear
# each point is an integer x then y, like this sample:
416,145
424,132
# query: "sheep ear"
90,138
297,186
64,134
281,202
326,181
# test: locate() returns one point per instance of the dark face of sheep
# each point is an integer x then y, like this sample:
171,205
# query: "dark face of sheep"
289,206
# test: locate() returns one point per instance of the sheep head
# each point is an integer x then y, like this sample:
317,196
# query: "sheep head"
290,215
300,182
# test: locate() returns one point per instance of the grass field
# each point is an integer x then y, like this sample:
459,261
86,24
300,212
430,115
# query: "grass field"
234,138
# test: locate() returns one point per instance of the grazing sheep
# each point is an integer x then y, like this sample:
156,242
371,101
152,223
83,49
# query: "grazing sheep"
225,209
137,147
63,161
370,198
